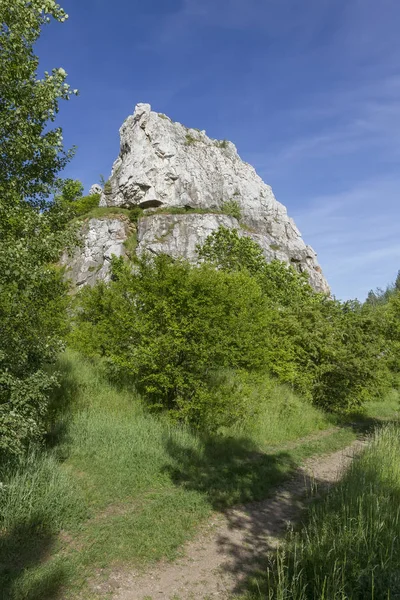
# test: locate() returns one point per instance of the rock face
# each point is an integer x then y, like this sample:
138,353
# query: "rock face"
95,189
101,239
164,164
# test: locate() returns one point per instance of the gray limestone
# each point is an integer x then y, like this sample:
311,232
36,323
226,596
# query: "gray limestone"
163,164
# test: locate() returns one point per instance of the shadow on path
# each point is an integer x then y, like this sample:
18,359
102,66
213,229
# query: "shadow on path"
230,473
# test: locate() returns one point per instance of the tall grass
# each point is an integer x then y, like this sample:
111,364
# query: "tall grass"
280,415
38,499
350,547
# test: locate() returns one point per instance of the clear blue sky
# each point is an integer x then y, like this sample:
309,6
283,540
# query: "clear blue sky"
309,91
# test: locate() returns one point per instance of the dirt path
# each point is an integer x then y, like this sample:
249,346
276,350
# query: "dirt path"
233,544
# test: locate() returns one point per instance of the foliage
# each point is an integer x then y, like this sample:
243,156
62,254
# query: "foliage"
130,245
334,353
170,326
70,197
33,231
228,250
135,213
232,208
108,187
173,327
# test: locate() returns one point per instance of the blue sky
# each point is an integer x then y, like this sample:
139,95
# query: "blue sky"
309,91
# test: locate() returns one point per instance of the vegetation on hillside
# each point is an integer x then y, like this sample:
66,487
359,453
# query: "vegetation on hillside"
115,484
194,339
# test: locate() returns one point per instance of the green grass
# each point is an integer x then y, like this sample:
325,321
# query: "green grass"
118,485
389,408
184,210
130,245
104,211
350,547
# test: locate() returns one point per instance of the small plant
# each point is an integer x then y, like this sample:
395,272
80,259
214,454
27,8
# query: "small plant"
232,208
107,187
275,247
222,144
130,246
135,213
190,140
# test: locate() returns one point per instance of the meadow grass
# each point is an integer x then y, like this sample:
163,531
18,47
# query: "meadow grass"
119,485
349,549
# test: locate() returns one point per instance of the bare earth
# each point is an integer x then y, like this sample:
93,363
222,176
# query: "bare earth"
233,544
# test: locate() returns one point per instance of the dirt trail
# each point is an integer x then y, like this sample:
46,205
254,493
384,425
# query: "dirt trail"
233,544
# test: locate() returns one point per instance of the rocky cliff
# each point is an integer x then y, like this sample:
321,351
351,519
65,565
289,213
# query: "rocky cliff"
101,239
164,166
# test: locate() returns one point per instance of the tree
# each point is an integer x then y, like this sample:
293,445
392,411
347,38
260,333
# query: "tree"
397,282
33,230
70,197
174,328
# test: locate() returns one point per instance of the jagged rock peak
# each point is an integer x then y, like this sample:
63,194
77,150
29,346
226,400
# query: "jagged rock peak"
95,189
165,164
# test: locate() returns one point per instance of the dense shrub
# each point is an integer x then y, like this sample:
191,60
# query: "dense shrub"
335,353
172,326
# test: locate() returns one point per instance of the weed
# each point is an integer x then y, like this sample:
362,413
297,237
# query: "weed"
190,140
232,208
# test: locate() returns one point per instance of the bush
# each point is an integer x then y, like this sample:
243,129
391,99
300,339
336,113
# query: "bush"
331,352
175,329
85,204
172,326
232,208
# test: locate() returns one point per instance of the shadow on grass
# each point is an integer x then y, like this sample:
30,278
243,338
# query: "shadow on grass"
362,425
228,471
59,413
232,473
24,570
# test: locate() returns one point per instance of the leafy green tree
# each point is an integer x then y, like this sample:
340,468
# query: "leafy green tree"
334,353
397,282
70,197
33,230
172,326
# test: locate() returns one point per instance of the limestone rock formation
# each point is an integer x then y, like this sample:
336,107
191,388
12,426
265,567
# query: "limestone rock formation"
101,239
95,189
164,164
